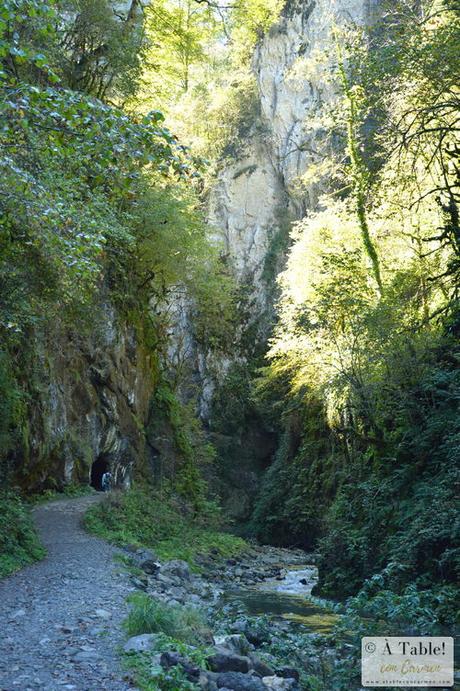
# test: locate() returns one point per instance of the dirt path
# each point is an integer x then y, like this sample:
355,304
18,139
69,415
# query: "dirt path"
60,618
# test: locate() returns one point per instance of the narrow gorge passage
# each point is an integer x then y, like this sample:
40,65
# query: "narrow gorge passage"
230,318
60,618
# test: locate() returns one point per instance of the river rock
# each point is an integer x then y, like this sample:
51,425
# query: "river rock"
146,555
140,582
280,684
253,635
260,666
140,644
239,682
228,662
234,642
288,673
150,566
173,659
176,568
206,681
168,582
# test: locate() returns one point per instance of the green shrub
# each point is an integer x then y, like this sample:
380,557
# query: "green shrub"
19,543
185,624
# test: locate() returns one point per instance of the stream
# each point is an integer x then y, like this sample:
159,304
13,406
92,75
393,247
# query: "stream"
286,597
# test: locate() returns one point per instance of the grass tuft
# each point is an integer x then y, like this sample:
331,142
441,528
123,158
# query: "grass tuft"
184,624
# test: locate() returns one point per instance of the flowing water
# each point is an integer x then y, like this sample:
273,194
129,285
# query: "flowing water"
288,598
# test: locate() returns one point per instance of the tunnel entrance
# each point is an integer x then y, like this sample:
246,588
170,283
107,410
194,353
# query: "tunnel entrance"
99,467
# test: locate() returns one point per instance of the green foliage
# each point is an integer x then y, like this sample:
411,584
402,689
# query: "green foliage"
26,27
161,521
367,378
71,490
149,675
85,44
243,439
97,205
147,615
179,33
19,543
299,484
104,47
192,453
197,67
11,411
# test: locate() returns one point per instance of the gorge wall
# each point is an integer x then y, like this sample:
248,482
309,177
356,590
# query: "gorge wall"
89,398
274,178
266,185
91,395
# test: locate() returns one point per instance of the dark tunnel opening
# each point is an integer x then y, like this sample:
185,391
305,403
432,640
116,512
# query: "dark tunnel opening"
99,467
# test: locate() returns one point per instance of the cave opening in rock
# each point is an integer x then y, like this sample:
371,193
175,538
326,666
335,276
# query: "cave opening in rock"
99,467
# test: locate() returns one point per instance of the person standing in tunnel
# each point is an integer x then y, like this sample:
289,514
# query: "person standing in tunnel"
106,482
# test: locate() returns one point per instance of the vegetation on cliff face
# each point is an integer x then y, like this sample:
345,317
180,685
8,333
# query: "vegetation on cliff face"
365,356
99,216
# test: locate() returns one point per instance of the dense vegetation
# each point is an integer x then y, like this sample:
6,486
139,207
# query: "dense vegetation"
99,211
19,543
99,216
101,221
364,362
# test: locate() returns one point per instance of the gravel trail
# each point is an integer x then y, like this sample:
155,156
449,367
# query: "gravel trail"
60,618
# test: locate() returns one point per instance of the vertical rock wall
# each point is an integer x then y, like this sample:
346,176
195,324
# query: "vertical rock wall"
266,186
89,402
293,70
275,178
94,392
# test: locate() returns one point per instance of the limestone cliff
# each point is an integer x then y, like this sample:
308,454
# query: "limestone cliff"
275,178
292,66
88,403
91,398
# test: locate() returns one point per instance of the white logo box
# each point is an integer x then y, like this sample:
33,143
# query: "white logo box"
407,661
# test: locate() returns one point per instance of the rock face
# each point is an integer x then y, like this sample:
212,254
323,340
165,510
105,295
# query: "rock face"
262,187
90,399
273,176
92,395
